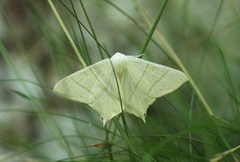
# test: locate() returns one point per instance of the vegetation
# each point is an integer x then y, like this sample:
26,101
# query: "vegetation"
44,41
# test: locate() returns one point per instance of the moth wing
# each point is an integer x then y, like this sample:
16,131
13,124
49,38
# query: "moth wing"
94,85
145,81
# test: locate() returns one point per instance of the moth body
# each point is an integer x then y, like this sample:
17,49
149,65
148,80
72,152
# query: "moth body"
119,62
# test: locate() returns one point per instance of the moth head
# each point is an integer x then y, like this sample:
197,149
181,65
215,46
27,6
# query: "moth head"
119,63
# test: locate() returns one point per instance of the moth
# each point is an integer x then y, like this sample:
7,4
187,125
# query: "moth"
120,81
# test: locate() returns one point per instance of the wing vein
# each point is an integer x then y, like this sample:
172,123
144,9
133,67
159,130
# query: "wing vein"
134,90
105,88
83,87
94,74
157,82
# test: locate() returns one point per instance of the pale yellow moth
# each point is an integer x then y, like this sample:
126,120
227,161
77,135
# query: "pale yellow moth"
140,82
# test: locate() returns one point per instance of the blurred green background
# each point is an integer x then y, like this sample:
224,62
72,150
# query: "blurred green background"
35,54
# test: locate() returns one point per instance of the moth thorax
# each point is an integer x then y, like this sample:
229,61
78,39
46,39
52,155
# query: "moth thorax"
119,64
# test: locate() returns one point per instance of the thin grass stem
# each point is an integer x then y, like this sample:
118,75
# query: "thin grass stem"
67,34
